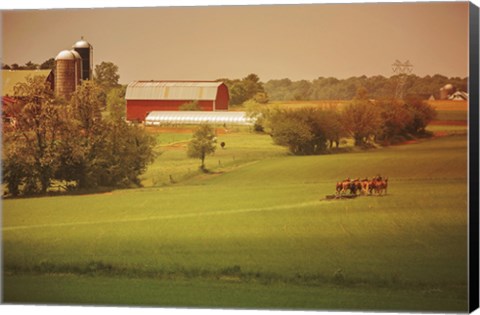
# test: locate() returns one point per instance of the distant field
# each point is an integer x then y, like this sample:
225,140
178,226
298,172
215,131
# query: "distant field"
448,105
256,232
325,104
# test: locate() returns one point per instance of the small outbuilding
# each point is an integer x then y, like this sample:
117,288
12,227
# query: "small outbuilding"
459,96
143,97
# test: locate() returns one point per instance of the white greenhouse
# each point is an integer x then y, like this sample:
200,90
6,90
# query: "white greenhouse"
172,118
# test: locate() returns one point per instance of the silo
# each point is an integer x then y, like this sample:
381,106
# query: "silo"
446,91
86,53
65,76
78,66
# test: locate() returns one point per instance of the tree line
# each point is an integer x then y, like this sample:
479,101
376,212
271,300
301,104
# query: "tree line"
47,64
378,87
73,145
321,88
308,131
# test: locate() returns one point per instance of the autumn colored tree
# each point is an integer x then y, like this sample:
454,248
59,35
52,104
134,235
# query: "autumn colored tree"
421,114
30,148
362,119
69,144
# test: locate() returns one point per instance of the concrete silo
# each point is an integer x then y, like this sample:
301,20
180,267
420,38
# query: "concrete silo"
446,91
65,74
86,53
78,66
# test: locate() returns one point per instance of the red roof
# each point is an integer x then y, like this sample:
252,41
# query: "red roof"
7,100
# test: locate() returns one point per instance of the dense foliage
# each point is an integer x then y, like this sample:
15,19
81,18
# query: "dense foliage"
69,144
303,131
378,87
307,131
190,106
248,88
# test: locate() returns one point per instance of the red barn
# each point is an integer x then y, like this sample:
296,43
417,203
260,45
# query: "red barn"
146,96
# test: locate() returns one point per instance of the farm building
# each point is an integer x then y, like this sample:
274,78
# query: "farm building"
12,77
144,97
71,67
459,96
173,118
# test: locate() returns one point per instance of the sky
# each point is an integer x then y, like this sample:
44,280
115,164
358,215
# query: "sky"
301,41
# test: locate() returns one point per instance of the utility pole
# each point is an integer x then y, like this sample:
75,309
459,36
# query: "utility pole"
402,70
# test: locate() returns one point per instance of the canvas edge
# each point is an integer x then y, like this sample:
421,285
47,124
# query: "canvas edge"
474,158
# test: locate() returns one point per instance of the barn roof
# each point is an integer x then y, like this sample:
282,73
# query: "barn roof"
157,118
11,77
172,90
459,95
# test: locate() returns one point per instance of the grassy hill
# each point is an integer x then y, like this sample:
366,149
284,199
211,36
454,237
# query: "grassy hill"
256,232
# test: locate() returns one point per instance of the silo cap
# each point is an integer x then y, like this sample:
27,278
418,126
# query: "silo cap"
65,55
76,54
82,44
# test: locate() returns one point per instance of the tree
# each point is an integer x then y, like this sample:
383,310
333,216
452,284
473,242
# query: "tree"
190,106
257,113
14,163
31,155
334,130
303,131
31,66
252,85
202,144
395,118
421,115
245,89
86,106
116,104
106,76
237,92
103,153
362,119
69,144
48,64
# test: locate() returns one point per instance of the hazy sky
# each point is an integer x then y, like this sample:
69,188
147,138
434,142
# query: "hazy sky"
294,41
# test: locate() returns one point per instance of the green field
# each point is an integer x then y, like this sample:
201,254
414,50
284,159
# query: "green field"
256,232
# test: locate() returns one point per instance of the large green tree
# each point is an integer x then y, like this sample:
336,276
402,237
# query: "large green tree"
106,75
116,104
245,89
302,131
111,153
